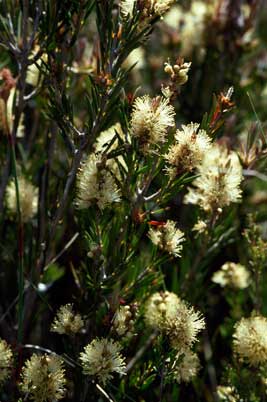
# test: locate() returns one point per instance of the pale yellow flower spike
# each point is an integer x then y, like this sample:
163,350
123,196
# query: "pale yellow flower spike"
250,340
227,394
160,307
43,378
233,275
184,329
167,313
149,8
168,238
187,368
101,358
150,120
28,197
95,184
6,361
189,148
127,7
66,321
124,320
218,183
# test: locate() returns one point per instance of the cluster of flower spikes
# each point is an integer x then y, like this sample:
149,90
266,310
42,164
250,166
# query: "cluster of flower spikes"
167,313
101,358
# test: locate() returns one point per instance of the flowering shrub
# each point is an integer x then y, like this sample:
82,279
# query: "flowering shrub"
133,200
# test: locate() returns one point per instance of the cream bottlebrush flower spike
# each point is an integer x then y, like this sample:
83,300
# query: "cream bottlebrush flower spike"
233,275
200,226
187,366
124,320
6,361
150,120
188,150
147,8
167,238
192,25
127,7
66,321
159,307
96,184
160,7
185,327
218,184
43,378
250,340
169,314
101,358
227,394
174,17
28,197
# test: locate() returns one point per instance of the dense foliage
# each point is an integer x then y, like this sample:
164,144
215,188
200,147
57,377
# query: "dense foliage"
133,193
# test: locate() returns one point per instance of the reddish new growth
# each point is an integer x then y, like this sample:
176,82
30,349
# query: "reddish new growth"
8,83
223,105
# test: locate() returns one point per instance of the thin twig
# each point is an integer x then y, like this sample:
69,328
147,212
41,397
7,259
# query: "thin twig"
141,351
87,144
103,392
50,352
67,245
257,118
71,177
12,304
210,366
162,376
20,243
5,176
39,348
152,196
255,173
42,204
